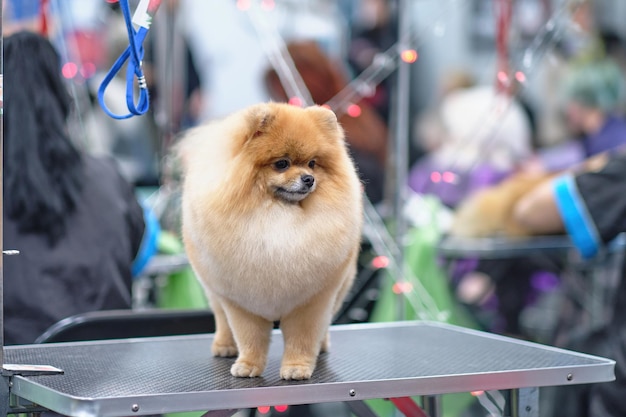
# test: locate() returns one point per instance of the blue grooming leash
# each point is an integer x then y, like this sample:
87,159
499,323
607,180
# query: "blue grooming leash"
134,54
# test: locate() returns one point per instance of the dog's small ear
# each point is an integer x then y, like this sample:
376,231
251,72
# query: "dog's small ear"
260,118
326,118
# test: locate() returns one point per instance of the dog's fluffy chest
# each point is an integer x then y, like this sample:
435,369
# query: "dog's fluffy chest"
273,261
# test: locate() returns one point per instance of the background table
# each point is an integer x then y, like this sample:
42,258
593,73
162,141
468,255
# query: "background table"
590,283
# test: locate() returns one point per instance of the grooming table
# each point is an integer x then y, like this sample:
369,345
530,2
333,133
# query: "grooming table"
145,286
451,247
165,264
386,360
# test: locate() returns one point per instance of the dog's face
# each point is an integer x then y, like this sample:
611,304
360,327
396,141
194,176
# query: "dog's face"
293,150
291,180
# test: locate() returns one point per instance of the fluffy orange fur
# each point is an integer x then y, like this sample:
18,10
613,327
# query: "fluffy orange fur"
272,218
490,211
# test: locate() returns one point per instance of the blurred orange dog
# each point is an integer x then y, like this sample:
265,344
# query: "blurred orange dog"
272,218
492,211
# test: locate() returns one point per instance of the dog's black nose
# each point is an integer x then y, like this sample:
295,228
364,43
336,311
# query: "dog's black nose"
308,180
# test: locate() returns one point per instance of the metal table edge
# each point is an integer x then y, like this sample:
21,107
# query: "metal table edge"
498,247
310,393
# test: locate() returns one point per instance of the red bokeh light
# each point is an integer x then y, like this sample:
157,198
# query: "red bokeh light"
263,409
268,5
69,70
402,287
88,70
281,408
435,176
243,5
354,110
449,177
503,77
296,101
380,262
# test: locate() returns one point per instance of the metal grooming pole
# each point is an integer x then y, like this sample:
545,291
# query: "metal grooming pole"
4,382
401,148
1,194
171,73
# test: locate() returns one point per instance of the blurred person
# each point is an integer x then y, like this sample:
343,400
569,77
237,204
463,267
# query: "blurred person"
482,137
582,43
591,208
579,43
428,125
73,218
228,54
230,42
592,94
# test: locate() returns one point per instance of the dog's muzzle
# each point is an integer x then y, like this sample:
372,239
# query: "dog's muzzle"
297,190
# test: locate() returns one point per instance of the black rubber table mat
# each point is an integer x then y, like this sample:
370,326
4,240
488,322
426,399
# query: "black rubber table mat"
158,375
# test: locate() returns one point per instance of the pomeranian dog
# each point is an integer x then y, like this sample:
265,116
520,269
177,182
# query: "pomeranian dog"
272,218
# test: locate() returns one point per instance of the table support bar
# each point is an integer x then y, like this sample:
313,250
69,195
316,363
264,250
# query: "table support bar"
408,407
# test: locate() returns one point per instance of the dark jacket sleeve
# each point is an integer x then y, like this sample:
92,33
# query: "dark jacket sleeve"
593,205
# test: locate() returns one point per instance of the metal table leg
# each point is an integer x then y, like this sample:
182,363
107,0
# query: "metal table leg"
524,402
360,409
432,405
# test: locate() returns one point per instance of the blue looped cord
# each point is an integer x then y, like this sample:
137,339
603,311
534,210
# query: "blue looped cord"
134,51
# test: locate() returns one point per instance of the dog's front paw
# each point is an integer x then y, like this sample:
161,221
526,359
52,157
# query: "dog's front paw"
246,369
224,350
296,372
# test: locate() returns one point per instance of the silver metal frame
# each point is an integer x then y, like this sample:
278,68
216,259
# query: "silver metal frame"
401,142
1,196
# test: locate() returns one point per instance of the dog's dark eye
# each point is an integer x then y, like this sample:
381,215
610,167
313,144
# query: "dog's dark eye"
312,164
281,164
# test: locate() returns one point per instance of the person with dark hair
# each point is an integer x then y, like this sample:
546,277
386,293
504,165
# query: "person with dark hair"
73,218
591,208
